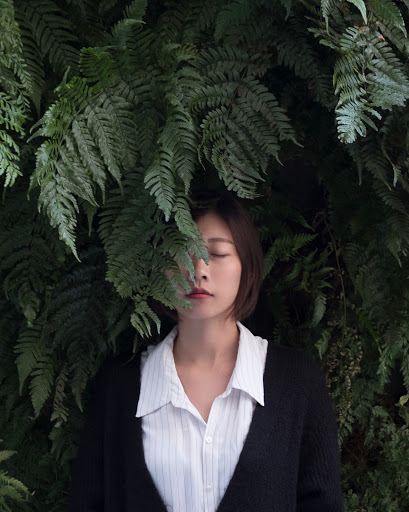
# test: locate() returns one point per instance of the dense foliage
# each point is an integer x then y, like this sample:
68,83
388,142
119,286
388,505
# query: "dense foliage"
111,113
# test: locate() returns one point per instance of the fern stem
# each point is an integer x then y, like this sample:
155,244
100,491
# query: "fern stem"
340,276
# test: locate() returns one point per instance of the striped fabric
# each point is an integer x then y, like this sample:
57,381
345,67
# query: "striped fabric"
191,462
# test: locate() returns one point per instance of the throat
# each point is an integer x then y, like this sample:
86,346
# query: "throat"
202,386
206,345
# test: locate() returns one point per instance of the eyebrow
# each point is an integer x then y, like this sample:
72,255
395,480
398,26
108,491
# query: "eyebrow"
220,240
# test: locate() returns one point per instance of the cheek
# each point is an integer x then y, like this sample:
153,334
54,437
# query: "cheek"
231,277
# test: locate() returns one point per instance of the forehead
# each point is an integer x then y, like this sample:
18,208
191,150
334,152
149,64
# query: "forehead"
214,228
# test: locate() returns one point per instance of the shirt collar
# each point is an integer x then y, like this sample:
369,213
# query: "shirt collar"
160,383
249,369
159,380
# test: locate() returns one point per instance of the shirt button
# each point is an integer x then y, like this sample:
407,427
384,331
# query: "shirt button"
209,487
209,439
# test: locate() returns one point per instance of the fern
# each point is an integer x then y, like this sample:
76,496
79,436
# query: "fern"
33,61
234,13
61,208
108,140
32,349
60,411
14,86
41,383
53,32
283,248
10,488
388,12
160,180
296,52
327,7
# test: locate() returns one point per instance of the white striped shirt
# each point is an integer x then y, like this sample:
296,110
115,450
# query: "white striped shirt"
191,462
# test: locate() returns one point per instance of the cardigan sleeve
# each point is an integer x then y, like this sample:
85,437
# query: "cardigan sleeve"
319,483
86,493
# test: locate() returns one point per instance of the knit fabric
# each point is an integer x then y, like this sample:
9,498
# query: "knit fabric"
289,461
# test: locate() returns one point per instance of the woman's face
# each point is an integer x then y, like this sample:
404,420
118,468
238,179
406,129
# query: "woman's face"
219,281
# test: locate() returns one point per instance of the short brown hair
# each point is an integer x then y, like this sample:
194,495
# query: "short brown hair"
247,243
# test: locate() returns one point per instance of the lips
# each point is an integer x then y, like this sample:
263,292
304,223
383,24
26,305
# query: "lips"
196,292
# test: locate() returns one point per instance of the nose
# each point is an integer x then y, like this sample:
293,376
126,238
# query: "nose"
201,269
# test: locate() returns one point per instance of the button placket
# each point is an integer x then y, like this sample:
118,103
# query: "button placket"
208,456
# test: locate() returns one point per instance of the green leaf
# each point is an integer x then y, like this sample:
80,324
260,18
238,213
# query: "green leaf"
362,8
319,310
322,343
388,12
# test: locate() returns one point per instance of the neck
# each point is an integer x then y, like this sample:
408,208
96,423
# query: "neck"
208,342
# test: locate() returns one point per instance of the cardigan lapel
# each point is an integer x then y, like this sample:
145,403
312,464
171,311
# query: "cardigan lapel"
262,427
141,489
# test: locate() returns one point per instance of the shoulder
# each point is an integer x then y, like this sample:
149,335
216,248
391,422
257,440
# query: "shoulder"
296,375
292,359
118,370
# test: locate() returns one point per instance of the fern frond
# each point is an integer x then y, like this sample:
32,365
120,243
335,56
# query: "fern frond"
367,81
32,349
352,118
322,342
160,180
136,10
225,155
60,411
53,32
109,214
234,13
147,125
395,36
388,83
140,45
10,154
55,124
390,197
98,66
90,155
142,316
13,489
319,311
6,454
33,62
103,131
15,84
263,101
355,257
183,218
295,52
123,121
283,248
61,208
199,22
328,7
388,12
213,95
41,382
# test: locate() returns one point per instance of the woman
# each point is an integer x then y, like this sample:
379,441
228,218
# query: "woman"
212,418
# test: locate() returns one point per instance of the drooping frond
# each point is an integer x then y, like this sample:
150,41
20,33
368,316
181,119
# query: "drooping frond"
388,12
283,248
53,33
234,13
11,489
14,87
295,52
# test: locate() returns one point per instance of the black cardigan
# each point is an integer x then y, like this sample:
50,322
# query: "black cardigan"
289,461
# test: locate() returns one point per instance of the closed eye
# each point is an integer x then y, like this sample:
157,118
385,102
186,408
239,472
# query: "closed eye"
219,255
